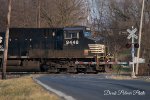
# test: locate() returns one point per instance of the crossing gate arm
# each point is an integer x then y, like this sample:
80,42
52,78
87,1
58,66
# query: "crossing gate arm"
94,63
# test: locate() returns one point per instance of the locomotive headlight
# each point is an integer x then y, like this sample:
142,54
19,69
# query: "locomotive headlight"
53,34
86,52
88,29
1,38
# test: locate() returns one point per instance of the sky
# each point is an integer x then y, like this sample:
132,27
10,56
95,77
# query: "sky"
93,8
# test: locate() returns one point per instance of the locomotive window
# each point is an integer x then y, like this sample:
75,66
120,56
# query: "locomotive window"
75,35
67,35
87,34
70,35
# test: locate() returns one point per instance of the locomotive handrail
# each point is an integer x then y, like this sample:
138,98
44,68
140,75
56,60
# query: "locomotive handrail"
94,63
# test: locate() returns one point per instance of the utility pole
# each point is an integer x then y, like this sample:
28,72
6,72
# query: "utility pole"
4,62
140,33
39,14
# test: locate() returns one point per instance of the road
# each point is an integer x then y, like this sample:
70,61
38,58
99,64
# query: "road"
97,87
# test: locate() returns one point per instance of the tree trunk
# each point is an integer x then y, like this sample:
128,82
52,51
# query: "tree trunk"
39,14
6,41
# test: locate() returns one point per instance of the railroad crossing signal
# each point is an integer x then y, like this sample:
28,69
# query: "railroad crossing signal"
132,36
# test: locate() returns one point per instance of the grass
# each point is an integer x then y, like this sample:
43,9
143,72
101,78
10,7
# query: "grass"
120,77
121,73
120,68
24,88
148,80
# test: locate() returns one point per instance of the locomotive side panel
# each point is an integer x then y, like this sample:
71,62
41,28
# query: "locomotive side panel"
22,40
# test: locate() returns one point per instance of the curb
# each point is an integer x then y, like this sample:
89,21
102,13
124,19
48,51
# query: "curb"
57,92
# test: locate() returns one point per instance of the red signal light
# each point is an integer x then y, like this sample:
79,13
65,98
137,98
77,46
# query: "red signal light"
128,45
136,45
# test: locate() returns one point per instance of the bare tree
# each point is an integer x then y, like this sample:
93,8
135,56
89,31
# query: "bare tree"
53,13
65,13
3,15
6,41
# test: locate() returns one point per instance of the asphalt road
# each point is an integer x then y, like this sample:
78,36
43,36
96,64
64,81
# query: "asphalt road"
97,87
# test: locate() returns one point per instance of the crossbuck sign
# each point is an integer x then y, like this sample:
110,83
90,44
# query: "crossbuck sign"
132,33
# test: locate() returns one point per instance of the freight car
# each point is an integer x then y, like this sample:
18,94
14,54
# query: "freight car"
53,50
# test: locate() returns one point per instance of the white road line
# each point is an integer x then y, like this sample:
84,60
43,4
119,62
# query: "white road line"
59,93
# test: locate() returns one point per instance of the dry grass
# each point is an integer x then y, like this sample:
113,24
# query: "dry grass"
23,88
120,77
148,80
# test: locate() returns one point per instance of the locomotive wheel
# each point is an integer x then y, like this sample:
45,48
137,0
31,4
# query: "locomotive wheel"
44,68
62,70
72,69
81,70
52,69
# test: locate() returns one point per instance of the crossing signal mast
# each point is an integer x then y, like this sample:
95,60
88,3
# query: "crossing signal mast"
132,36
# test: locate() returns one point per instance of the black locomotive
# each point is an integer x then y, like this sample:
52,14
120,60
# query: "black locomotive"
52,50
